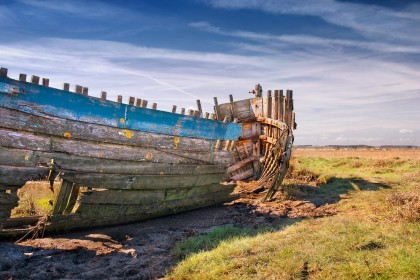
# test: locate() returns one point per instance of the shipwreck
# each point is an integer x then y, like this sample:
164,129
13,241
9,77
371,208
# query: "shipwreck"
118,163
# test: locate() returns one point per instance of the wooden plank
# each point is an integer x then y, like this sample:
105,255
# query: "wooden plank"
23,140
59,127
62,197
182,111
65,162
154,106
242,163
66,86
173,108
269,104
272,122
216,108
18,176
146,182
22,77
119,98
144,103
248,173
85,91
135,197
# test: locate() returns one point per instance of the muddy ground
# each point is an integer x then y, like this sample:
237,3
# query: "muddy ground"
143,250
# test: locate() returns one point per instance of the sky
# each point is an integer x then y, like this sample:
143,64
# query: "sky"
353,66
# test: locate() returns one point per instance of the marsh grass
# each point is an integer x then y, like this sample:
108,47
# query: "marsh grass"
375,235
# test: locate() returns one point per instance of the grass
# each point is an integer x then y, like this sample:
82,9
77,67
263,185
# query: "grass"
375,235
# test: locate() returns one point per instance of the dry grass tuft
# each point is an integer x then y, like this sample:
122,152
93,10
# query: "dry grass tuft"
406,205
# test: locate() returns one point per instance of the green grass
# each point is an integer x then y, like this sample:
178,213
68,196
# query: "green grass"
375,235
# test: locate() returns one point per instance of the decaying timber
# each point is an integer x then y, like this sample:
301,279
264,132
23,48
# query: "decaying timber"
120,163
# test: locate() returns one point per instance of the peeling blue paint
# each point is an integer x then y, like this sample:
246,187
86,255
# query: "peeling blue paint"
45,101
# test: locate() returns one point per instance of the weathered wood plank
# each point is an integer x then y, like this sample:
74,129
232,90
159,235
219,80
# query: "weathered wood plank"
146,182
242,163
13,119
62,197
18,176
133,197
64,161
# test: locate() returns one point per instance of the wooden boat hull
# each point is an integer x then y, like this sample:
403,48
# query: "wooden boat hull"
121,163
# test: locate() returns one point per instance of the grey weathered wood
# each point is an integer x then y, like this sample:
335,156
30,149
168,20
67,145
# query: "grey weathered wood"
199,107
119,98
281,106
173,108
18,176
154,106
103,95
144,182
22,77
276,105
190,112
182,111
62,197
66,86
206,115
35,79
45,82
197,113
85,91
216,108
13,119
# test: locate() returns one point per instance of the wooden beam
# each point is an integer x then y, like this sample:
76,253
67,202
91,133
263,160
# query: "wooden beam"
269,104
66,86
119,98
182,111
199,107
3,72
85,91
138,102
276,104
154,106
131,100
45,82
78,89
173,108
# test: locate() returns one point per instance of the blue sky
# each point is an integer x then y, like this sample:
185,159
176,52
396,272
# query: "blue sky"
354,66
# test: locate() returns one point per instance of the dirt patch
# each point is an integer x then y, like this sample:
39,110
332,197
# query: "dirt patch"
142,250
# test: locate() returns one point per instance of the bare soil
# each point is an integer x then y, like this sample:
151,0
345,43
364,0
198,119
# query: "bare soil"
143,250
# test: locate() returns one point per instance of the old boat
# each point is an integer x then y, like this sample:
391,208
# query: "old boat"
118,163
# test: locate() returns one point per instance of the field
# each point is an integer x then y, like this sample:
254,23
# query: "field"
341,214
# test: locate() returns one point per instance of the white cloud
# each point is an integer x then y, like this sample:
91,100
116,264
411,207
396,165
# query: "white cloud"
403,131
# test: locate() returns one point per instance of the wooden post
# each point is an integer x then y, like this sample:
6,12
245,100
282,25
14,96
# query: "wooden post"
281,106
131,100
197,113
269,104
45,82
206,115
3,72
62,197
173,108
212,116
85,91
258,90
138,102
231,106
190,112
182,111
66,86
78,89
144,103
103,95
22,77
199,107
119,98
276,104
34,79
154,106
216,108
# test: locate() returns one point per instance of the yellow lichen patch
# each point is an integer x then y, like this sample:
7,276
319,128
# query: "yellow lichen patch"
161,173
67,134
149,156
27,157
176,141
122,120
127,133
